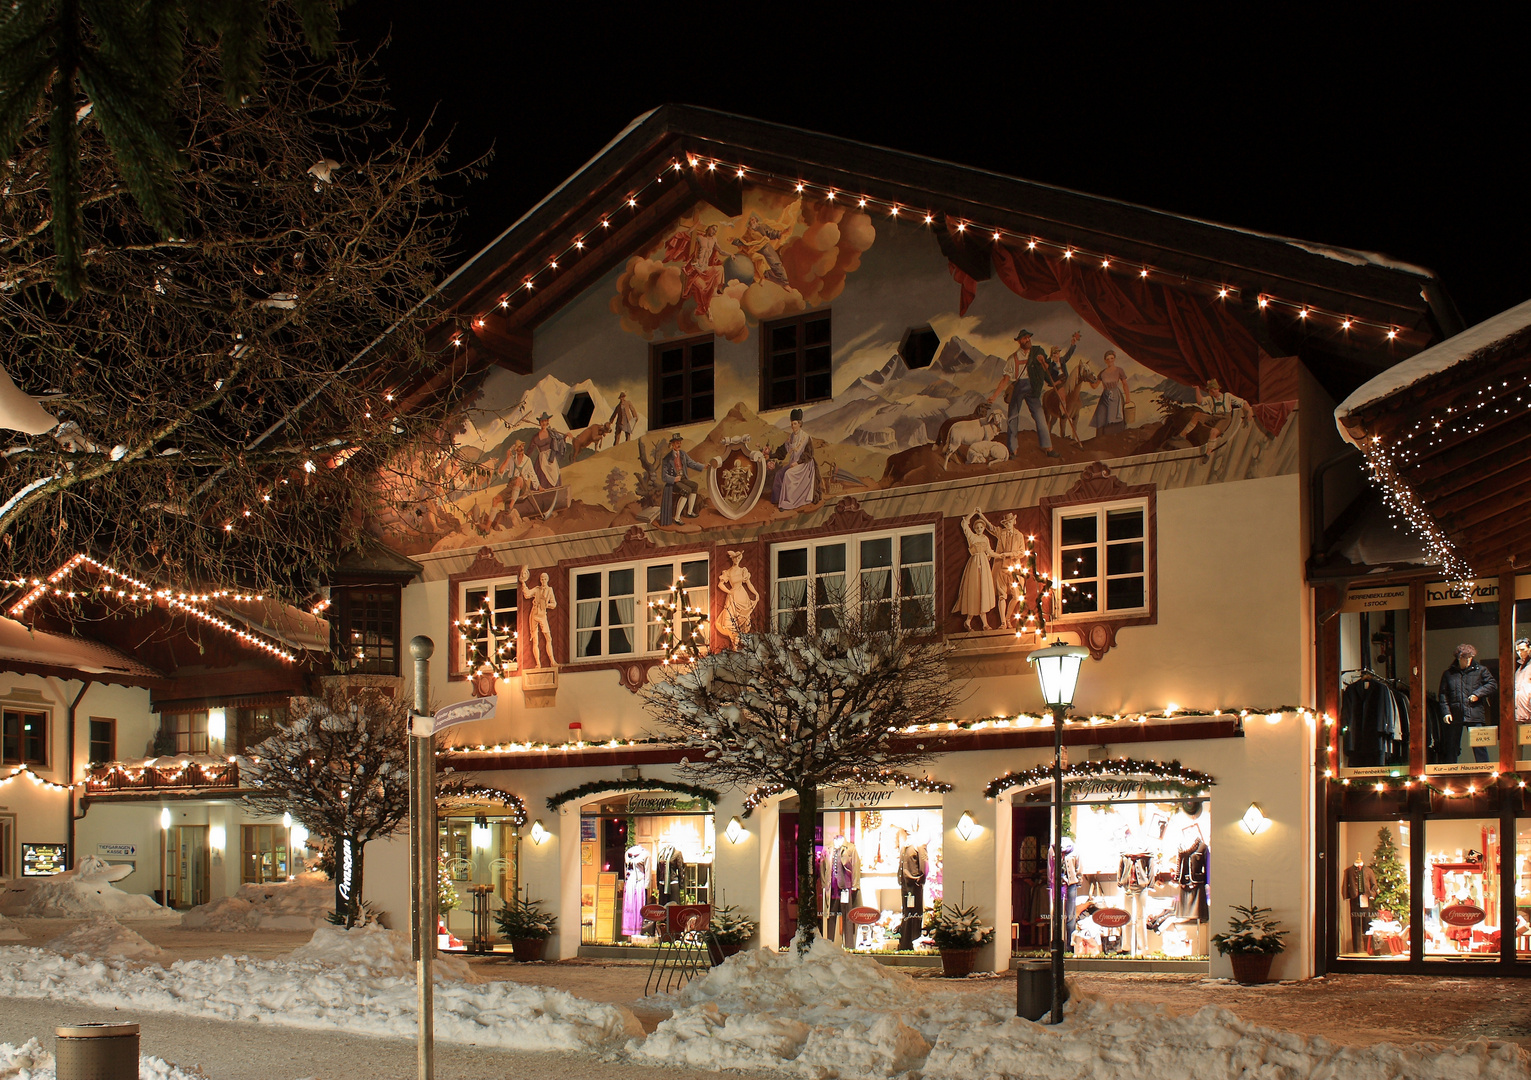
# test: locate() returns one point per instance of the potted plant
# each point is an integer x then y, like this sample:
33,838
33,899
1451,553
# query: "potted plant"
526,926
1252,941
731,928
958,933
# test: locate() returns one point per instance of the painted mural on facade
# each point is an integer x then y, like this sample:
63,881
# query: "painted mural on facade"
920,394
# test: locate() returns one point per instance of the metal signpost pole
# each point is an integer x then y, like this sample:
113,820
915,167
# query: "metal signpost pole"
423,840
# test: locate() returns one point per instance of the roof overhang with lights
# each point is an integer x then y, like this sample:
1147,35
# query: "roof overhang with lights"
1446,436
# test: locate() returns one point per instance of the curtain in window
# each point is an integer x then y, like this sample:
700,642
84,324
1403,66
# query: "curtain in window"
587,620
621,637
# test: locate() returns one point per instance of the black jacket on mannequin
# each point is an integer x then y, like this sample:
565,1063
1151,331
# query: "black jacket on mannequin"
1460,683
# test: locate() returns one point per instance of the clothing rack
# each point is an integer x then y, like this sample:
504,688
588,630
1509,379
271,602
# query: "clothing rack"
1368,673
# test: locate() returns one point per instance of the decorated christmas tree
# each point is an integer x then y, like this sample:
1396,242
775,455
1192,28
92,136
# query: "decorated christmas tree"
1392,877
446,890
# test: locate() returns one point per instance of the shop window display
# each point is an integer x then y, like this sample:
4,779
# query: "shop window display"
1136,875
637,850
1523,889
1461,670
1372,900
477,848
1375,720
888,859
1522,667
1461,889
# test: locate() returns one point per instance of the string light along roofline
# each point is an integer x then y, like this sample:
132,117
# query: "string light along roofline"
1220,289
141,591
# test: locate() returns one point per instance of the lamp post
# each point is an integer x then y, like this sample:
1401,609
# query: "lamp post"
1058,671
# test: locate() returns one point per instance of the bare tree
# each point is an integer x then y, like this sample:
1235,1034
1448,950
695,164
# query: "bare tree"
809,711
212,402
340,765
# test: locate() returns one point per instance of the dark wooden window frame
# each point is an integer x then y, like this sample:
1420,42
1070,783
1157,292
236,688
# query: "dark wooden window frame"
345,601
20,739
767,356
110,740
689,394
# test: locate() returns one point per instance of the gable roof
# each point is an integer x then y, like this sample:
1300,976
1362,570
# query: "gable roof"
674,156
38,652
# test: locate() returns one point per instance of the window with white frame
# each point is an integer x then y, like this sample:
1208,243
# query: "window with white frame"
486,623
1101,557
612,602
892,574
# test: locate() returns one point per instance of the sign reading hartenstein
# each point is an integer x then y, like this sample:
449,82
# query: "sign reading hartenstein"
459,712
1446,594
1462,915
1376,598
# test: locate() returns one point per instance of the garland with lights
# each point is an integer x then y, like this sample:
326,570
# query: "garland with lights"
204,774
856,777
600,787
1220,290
1169,777
1439,785
683,647
453,791
40,781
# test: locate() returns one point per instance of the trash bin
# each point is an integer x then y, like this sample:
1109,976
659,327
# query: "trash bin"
96,1051
1033,990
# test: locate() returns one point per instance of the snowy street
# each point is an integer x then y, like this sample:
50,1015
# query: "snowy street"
341,1006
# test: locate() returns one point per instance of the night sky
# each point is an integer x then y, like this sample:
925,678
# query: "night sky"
1400,139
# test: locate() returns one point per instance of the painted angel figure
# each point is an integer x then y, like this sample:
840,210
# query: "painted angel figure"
759,243
696,249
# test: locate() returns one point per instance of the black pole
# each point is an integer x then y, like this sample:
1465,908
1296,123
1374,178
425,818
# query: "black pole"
1059,889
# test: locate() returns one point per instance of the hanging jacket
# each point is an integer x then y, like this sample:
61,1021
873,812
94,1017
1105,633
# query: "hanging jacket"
1460,683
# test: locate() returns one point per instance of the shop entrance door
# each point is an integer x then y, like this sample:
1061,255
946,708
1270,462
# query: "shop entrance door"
187,868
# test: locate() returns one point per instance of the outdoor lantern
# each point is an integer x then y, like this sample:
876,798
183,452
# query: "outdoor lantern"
735,831
1058,672
539,834
481,834
217,725
1254,819
164,817
967,828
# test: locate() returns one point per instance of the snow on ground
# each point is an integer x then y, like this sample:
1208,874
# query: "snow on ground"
79,893
835,1014
30,1061
303,903
9,931
358,981
106,938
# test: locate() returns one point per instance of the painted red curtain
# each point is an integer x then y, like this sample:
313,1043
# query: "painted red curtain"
1184,337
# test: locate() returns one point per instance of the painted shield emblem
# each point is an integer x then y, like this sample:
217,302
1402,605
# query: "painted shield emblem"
862,916
1462,915
736,481
1111,917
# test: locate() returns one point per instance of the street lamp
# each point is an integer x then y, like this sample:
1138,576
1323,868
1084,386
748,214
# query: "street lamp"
1058,671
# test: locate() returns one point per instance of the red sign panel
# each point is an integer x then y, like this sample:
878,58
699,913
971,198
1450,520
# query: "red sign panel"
1111,917
685,917
652,912
1462,915
862,916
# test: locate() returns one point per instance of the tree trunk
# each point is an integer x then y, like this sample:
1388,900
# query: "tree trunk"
807,892
356,876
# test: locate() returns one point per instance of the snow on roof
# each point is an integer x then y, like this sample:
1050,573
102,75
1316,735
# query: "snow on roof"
21,645
1448,354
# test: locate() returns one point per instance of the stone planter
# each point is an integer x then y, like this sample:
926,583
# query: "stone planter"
1251,968
956,963
528,950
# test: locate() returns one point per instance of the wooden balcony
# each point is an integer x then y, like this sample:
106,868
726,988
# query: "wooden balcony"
173,775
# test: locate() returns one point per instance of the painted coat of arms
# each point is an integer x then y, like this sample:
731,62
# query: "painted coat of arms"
736,480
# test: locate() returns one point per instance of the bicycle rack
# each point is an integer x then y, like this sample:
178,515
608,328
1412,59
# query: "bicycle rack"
684,950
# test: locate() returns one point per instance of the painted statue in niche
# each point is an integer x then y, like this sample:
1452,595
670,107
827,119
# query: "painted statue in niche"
737,611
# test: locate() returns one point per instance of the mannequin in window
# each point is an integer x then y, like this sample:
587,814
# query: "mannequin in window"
1467,691
1191,876
1523,681
1136,872
1071,879
669,872
913,866
843,876
1359,886
635,889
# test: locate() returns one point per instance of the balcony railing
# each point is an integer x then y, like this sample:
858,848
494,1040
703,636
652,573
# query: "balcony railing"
167,776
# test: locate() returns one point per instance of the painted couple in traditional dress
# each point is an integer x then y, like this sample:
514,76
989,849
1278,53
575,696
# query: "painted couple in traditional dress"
985,584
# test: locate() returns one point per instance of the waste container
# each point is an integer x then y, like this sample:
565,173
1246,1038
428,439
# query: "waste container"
1033,989
96,1051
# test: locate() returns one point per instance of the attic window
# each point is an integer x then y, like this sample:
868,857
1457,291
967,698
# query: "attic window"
578,412
919,347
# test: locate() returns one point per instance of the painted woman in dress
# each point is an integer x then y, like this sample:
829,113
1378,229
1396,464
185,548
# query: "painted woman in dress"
739,600
797,478
1110,410
975,596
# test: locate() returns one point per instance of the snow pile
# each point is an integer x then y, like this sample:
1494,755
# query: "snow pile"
336,986
303,903
30,1061
105,937
70,896
9,931
373,951
836,1014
